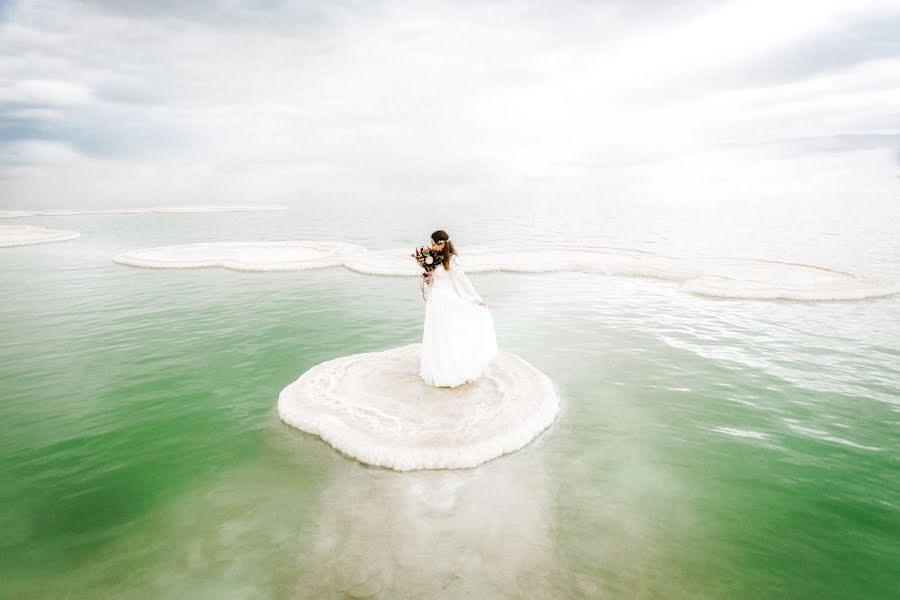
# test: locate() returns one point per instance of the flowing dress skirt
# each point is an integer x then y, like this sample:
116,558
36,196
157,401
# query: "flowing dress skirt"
458,341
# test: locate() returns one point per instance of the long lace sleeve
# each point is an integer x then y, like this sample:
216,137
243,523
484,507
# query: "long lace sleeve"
462,283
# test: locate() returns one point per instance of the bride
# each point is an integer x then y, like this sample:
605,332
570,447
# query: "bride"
458,340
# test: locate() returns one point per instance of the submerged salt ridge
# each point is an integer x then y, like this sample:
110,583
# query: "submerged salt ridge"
187,208
21,235
722,277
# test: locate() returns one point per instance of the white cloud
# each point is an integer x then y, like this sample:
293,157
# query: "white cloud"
404,97
45,92
29,152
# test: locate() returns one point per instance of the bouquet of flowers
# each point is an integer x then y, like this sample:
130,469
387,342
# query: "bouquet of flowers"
428,259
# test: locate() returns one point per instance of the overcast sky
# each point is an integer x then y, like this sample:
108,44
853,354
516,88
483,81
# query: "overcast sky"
107,102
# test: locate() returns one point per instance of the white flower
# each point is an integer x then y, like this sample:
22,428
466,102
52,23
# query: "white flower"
428,260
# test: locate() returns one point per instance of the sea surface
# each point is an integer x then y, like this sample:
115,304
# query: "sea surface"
705,448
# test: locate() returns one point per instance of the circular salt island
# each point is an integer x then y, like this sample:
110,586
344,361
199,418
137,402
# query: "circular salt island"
375,408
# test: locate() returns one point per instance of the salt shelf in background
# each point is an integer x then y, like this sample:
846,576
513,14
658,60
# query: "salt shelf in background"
754,279
20,235
244,256
187,208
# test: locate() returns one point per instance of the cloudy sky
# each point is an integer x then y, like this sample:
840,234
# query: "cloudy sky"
110,102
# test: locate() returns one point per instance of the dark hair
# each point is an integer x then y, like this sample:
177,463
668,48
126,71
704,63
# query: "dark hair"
441,236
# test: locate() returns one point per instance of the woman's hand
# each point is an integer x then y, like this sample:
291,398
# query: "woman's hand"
482,303
426,276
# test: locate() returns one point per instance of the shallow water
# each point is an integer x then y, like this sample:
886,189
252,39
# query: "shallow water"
705,448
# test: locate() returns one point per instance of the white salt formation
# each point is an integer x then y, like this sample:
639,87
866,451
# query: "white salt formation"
722,277
195,208
244,256
375,408
20,235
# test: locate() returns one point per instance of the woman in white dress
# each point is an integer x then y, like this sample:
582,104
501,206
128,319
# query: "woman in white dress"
458,340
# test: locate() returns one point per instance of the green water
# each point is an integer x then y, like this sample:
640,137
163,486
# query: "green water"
705,448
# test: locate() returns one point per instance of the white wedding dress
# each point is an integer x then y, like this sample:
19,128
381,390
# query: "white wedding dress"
458,340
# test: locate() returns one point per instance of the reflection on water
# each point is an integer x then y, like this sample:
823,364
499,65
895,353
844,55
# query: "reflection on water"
484,532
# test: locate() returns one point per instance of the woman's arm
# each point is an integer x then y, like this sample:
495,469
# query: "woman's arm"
426,286
462,283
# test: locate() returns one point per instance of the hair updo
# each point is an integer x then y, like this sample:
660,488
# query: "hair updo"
441,236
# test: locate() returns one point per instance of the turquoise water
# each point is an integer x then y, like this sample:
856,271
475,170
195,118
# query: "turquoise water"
705,448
